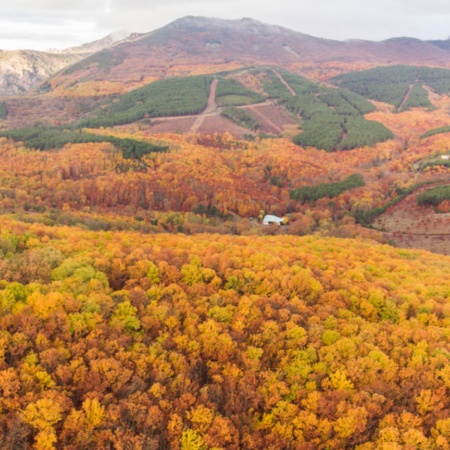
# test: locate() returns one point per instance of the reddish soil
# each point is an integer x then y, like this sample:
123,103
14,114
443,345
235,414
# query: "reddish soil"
411,226
213,124
173,124
436,244
272,117
184,125
24,111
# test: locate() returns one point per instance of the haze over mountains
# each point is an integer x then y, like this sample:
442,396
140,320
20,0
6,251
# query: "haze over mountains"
199,40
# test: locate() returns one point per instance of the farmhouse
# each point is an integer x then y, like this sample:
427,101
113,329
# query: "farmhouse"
269,220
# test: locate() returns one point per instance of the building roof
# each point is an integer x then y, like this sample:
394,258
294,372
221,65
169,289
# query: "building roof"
271,219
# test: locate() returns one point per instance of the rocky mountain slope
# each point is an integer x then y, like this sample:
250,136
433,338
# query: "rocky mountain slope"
21,70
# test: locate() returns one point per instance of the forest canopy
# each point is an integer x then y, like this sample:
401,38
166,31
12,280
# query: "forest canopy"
392,84
50,138
332,119
330,190
172,340
171,97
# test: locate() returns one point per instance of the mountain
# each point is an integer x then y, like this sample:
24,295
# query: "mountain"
95,46
215,44
21,70
218,44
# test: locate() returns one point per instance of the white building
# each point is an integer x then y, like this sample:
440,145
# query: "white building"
269,220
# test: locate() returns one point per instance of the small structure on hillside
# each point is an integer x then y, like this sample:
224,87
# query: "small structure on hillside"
269,220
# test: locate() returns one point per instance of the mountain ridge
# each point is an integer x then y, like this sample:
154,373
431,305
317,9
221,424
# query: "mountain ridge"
200,41
194,40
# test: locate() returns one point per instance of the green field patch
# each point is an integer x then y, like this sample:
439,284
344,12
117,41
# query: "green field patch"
391,84
332,117
51,138
330,190
241,117
323,132
234,100
171,97
434,196
435,131
300,84
358,101
360,132
230,92
418,98
274,87
3,110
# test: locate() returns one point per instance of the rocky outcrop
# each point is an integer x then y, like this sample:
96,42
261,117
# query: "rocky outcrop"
22,70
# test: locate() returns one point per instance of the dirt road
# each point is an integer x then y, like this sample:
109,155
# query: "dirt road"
293,93
405,99
259,115
211,107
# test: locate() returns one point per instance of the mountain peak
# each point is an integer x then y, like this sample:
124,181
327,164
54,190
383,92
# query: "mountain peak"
245,24
217,43
95,46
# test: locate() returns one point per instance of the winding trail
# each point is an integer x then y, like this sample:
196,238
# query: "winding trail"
210,110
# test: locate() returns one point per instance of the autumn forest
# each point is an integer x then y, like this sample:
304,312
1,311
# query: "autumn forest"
145,303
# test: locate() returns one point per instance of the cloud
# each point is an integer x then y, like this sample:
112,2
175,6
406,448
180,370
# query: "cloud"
42,35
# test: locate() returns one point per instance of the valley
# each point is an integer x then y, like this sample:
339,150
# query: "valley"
273,103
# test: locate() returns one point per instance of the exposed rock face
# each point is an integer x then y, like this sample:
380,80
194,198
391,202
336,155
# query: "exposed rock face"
21,70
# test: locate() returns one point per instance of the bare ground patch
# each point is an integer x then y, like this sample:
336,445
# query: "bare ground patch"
273,118
410,226
214,124
172,125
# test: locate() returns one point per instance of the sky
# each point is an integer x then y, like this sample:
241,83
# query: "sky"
57,24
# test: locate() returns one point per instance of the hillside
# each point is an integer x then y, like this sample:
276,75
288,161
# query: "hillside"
106,170
214,44
253,102
22,70
404,87
144,304
238,124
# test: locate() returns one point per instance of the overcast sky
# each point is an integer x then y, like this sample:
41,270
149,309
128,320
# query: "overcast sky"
44,24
